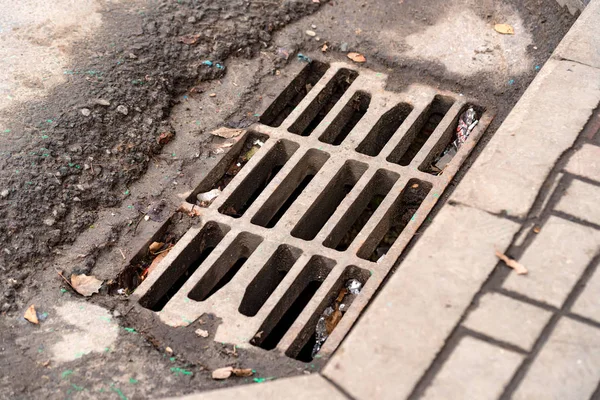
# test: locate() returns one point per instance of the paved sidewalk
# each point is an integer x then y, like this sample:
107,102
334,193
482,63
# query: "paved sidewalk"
454,322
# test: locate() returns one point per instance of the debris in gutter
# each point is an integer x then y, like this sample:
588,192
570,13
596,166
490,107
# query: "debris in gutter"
466,123
519,268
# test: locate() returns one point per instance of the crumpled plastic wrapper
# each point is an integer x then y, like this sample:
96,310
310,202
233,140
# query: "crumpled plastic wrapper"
466,123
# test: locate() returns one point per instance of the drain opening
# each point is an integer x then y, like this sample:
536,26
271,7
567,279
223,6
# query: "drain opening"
258,179
267,280
292,186
384,129
395,220
285,103
324,102
186,263
421,130
443,152
230,165
361,210
339,299
293,302
226,266
347,119
328,201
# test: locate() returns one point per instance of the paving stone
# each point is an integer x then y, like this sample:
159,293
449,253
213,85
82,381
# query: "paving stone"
555,260
475,370
510,171
508,320
297,388
578,45
588,302
407,324
581,201
585,162
568,366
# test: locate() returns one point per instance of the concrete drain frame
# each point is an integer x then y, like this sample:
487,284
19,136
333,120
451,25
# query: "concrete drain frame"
343,173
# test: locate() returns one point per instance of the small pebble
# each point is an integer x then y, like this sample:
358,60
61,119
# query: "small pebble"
122,109
212,95
102,102
344,47
313,26
116,314
86,112
311,33
5,193
169,350
317,38
201,333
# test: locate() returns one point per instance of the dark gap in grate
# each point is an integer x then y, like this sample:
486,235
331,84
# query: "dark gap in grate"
421,130
445,141
267,280
324,102
297,90
226,266
302,347
290,188
395,220
293,302
359,213
328,201
347,119
188,261
258,179
384,129
229,166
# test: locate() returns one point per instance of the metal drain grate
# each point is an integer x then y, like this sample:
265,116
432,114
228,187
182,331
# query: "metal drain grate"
336,192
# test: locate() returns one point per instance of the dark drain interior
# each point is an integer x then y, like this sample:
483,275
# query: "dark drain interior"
384,129
395,220
324,102
292,186
226,266
267,280
293,303
347,119
285,103
420,131
359,213
258,179
188,261
325,205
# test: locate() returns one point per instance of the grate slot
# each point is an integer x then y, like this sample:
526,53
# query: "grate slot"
324,102
258,179
328,201
384,129
293,302
302,347
292,186
186,263
226,266
227,168
359,213
445,140
297,90
395,220
267,280
421,130
347,119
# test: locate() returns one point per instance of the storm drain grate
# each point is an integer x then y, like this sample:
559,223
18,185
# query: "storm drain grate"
342,177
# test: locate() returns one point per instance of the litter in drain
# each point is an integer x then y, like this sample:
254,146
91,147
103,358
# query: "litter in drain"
305,226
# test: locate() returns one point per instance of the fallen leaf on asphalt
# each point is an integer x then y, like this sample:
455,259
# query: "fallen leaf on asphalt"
504,29
201,333
165,137
158,259
222,373
519,268
324,48
155,247
189,39
191,209
357,57
227,133
242,371
85,285
31,315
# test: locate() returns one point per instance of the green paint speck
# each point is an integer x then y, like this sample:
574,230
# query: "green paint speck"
66,373
130,330
180,371
63,290
133,381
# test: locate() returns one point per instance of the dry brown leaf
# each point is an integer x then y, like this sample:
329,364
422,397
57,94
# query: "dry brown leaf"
158,259
189,39
537,229
324,48
332,321
357,57
222,373
85,285
227,133
504,29
155,247
519,268
31,315
165,137
190,209
242,371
